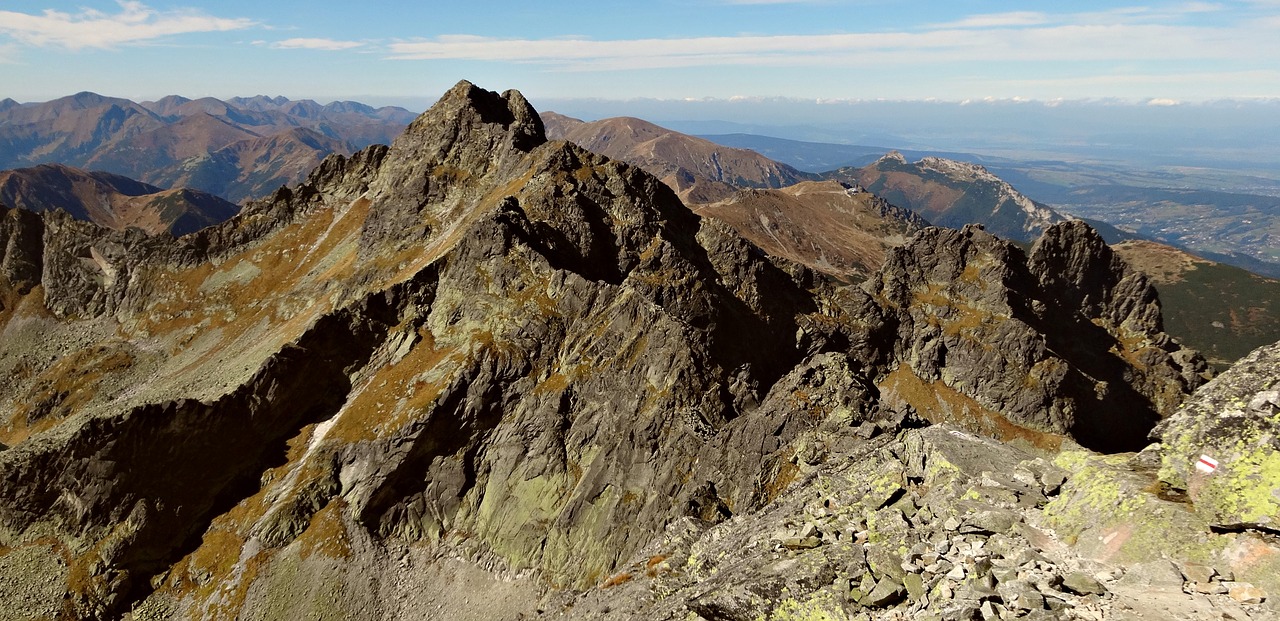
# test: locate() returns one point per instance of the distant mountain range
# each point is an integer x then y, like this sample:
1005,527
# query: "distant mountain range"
112,201
818,157
1231,216
699,170
238,149
952,193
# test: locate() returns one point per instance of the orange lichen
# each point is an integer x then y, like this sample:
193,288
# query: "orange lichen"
783,473
616,580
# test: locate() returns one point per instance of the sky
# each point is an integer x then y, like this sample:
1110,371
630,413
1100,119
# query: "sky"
820,51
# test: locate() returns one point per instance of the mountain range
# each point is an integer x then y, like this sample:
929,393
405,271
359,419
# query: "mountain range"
237,149
821,229
844,230
1224,214
112,201
482,374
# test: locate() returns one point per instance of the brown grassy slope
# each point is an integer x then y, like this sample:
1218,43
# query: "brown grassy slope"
254,167
700,171
822,224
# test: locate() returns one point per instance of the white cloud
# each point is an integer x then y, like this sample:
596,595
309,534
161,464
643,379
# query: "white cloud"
135,23
1130,86
997,20
1065,42
1200,7
1163,102
303,43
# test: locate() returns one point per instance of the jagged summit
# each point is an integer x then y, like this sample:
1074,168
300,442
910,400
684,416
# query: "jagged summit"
468,107
892,157
479,354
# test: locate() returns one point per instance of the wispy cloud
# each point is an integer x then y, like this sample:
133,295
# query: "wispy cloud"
134,23
1123,34
1070,42
998,20
303,43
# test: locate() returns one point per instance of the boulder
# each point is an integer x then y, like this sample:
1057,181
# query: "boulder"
1223,445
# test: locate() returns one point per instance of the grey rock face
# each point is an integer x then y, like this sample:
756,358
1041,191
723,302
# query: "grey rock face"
1062,342
21,251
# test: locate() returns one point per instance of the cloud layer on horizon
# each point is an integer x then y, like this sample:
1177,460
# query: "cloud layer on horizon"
1120,35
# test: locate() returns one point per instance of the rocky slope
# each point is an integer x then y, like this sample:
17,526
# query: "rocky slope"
698,170
477,374
112,201
952,193
170,142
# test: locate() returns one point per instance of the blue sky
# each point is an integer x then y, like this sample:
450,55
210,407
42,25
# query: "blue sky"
393,51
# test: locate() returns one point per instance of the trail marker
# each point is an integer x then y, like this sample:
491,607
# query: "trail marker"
1207,464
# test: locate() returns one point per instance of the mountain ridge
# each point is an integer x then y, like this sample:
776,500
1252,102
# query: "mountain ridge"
112,201
479,357
700,171
156,141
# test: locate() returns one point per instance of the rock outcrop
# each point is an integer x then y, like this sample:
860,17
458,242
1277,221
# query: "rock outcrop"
1066,342
1222,447
476,356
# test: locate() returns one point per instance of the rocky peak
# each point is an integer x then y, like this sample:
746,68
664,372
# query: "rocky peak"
21,250
892,157
952,193
469,125
957,169
1072,259
975,316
